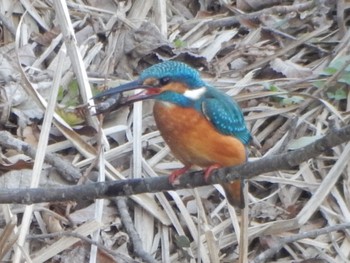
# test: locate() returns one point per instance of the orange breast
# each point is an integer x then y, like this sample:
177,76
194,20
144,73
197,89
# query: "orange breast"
194,140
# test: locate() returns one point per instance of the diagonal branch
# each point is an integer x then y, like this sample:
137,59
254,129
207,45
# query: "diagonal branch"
281,242
92,191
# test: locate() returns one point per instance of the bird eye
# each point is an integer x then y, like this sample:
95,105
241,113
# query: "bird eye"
164,81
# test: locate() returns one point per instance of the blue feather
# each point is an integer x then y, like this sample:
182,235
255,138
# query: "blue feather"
175,71
175,98
225,114
220,109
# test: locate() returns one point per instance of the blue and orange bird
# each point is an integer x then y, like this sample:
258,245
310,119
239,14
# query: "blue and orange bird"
202,126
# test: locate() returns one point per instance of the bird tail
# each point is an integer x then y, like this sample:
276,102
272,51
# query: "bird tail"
234,193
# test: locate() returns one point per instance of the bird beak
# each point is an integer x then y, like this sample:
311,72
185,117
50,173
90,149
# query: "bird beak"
148,92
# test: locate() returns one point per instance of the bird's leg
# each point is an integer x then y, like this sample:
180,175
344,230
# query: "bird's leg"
208,171
175,174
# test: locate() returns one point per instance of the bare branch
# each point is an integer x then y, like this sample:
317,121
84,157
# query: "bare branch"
286,161
66,169
130,229
280,242
121,257
233,20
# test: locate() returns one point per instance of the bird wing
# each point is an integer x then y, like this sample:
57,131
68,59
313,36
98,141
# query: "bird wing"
225,114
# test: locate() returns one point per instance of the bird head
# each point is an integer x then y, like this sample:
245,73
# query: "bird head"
169,81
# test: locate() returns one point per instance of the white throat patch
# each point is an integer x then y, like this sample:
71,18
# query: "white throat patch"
195,94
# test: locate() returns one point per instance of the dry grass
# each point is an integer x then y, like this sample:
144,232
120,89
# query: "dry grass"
288,66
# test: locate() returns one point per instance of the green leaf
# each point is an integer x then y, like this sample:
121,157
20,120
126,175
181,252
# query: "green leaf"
60,94
71,117
273,88
339,94
179,43
182,241
72,97
319,83
336,65
302,142
293,100
73,89
329,71
345,78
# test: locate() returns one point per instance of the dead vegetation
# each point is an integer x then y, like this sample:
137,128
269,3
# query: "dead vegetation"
287,65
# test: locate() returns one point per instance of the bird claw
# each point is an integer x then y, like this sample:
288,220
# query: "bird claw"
209,170
175,174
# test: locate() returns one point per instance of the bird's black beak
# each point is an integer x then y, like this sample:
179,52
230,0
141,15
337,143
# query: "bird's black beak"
115,99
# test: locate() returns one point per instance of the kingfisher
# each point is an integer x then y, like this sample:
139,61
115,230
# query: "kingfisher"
202,126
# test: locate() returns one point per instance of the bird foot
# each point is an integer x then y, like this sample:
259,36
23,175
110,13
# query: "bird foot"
209,170
175,174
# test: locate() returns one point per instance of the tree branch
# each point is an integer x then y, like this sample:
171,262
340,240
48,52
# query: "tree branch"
254,16
130,229
118,257
281,242
64,168
286,161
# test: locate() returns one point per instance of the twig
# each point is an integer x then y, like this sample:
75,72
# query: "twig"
300,41
285,35
310,234
290,127
234,20
120,256
6,21
286,161
336,75
130,229
64,168
8,237
277,134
